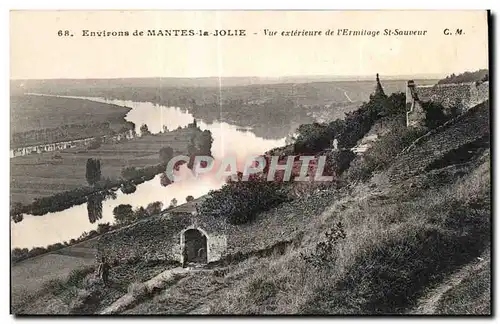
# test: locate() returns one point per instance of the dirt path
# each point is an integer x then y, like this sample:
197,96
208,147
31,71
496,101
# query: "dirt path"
159,282
430,301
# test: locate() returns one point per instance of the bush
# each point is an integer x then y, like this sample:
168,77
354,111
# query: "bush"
339,161
325,254
238,202
312,138
103,228
128,188
434,114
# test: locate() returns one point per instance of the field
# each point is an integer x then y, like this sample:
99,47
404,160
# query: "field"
41,175
43,119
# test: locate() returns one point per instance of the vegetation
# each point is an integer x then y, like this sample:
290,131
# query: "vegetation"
128,188
173,203
144,130
238,202
325,254
38,120
154,208
479,75
434,114
189,198
166,153
93,171
123,214
383,151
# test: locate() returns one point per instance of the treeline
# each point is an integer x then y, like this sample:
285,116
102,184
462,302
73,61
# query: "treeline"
477,76
124,215
239,201
18,254
60,134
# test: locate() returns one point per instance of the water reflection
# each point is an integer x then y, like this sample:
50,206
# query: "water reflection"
94,204
71,223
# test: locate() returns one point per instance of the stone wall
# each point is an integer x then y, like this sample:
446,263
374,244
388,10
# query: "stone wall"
460,97
151,239
161,238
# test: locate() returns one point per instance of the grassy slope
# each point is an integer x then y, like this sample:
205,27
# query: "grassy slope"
406,231
403,236
29,112
40,175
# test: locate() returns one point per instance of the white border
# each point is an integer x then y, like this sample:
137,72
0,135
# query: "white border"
200,4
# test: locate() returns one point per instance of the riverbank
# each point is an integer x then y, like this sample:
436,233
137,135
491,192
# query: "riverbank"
48,174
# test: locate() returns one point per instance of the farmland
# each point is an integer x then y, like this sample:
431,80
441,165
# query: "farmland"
45,174
44,119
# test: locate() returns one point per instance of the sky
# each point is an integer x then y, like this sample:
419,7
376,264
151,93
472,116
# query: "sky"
37,52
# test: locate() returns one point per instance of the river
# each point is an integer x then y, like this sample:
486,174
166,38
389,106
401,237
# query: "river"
72,222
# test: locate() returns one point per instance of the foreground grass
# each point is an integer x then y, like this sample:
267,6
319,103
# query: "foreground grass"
81,292
471,296
392,251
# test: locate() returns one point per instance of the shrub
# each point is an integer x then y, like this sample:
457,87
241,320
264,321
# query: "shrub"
103,228
85,302
154,208
325,254
339,161
312,138
76,276
238,202
128,188
434,114
140,213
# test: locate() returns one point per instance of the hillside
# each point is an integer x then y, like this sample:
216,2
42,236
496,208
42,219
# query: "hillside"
43,119
413,237
405,233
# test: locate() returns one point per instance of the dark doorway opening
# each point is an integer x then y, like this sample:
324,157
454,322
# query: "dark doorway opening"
195,246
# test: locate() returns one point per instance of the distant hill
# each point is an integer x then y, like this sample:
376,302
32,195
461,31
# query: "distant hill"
479,75
169,82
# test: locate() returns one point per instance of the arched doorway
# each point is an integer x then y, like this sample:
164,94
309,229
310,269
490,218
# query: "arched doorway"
195,246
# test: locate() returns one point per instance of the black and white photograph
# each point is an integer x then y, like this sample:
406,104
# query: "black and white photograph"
203,162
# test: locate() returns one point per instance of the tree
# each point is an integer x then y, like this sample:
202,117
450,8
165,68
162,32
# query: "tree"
123,214
144,130
312,138
395,104
165,129
103,228
140,213
154,208
93,171
173,203
189,198
166,153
